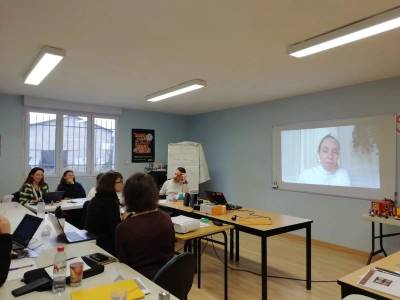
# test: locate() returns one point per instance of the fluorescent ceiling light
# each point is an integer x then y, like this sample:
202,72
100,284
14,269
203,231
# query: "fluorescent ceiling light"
382,22
182,88
47,60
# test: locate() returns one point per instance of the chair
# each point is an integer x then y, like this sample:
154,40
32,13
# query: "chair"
176,276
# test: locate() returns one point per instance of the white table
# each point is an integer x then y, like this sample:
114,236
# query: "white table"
47,250
69,204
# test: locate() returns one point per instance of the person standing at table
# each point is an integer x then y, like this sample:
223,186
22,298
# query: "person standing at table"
145,239
103,214
178,184
34,187
5,248
70,187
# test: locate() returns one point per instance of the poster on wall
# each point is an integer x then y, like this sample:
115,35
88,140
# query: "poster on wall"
143,145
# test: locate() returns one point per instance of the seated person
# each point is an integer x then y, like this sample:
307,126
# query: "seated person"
102,213
34,187
93,190
70,187
145,239
5,248
178,184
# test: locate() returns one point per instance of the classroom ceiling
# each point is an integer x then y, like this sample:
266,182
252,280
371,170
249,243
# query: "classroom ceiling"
120,51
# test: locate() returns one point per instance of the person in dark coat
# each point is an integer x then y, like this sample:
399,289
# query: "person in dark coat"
103,214
70,187
145,239
5,248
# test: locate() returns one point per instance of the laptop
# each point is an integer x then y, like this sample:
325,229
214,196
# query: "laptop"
219,198
25,231
71,236
56,196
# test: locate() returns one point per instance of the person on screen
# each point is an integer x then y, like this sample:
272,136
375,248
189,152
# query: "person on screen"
145,239
34,187
178,184
328,171
5,248
71,188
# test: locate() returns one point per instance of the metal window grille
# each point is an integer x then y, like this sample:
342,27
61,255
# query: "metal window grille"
74,154
42,141
104,144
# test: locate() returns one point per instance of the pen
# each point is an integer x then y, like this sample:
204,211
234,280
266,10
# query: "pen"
387,271
22,267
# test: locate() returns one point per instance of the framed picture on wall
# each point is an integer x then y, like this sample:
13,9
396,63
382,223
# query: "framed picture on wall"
143,141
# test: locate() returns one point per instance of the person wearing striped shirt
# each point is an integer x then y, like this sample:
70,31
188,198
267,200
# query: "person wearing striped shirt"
34,187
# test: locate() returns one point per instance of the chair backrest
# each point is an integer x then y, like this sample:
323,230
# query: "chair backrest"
176,276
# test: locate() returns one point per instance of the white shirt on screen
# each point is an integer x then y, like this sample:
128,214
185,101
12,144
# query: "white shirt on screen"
318,175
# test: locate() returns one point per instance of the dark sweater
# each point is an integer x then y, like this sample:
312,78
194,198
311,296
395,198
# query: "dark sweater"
102,217
72,191
145,242
5,256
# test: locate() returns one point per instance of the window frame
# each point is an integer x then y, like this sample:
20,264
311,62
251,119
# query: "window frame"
90,142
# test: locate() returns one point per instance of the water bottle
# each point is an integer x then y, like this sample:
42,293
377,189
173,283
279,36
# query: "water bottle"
59,271
41,209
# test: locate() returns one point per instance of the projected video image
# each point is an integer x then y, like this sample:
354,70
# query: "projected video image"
336,156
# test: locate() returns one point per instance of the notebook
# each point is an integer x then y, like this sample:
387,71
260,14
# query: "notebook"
103,292
25,231
71,236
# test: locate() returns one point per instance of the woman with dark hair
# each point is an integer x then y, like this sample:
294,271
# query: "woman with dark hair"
93,190
102,215
34,187
145,239
70,187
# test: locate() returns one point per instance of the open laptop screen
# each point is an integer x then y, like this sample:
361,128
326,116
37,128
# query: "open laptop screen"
216,197
26,229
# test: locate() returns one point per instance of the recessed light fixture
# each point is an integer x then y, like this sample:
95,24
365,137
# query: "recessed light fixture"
179,89
378,23
47,60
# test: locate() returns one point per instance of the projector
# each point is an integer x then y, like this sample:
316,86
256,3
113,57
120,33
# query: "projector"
183,224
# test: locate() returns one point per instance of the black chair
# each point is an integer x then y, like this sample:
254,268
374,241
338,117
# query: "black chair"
177,275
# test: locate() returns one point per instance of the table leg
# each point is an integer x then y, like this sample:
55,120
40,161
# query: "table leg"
381,238
231,242
225,265
237,243
264,268
199,262
373,243
308,256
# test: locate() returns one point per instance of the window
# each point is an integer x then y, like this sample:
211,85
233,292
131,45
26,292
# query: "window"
59,141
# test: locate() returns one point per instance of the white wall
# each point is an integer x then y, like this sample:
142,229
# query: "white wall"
238,147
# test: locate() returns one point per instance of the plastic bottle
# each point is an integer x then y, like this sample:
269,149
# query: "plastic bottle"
59,271
41,208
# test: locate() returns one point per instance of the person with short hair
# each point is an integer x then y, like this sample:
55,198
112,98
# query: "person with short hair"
145,239
34,187
103,214
71,188
5,248
178,184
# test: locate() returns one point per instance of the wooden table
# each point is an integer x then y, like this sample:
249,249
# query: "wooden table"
280,224
349,284
204,233
46,250
380,221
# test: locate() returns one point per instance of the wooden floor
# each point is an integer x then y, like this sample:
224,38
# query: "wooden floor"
286,257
